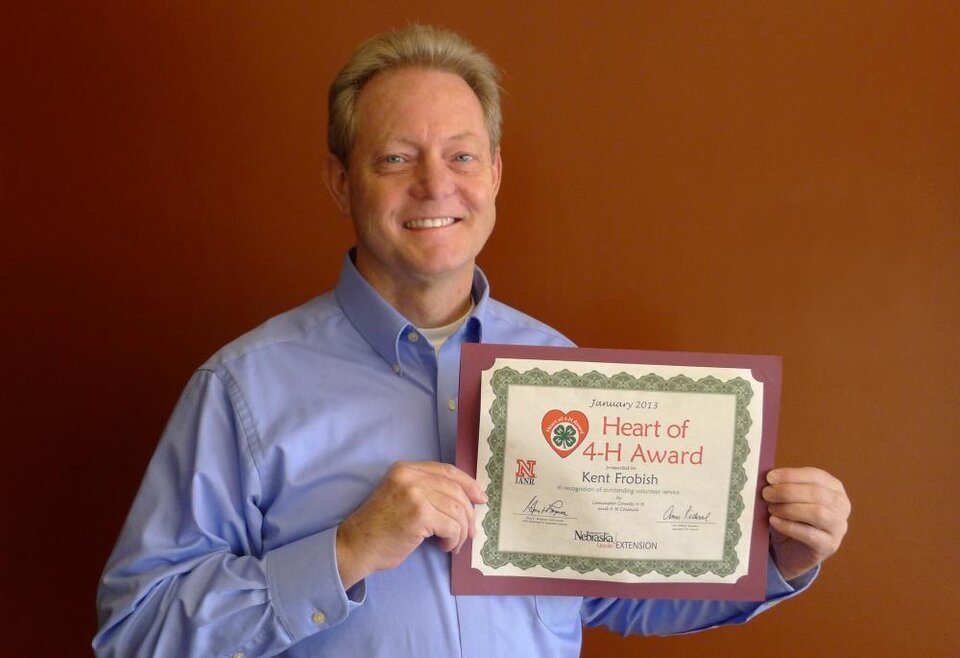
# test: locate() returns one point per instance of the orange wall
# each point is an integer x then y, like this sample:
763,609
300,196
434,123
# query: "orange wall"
759,177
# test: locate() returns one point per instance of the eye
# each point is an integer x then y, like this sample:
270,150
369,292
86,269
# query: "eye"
464,157
393,159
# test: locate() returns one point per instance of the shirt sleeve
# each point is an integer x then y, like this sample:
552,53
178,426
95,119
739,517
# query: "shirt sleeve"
189,575
676,616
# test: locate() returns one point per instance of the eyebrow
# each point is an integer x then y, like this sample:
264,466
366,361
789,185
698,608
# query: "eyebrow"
453,138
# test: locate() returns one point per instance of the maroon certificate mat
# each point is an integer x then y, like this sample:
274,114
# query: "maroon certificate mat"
617,473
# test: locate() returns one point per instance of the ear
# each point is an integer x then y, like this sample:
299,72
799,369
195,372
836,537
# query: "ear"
497,171
338,184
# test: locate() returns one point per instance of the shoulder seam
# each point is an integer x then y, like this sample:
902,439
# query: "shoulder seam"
525,320
244,417
229,353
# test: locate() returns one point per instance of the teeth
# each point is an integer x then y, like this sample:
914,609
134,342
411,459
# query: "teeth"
430,222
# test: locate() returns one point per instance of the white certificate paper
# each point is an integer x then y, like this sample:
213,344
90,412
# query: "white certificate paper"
640,470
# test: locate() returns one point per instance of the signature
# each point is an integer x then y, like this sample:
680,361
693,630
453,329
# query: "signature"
691,515
553,509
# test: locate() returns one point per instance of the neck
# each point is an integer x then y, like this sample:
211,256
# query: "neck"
426,303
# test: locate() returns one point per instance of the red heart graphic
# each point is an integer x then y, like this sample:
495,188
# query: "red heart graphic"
564,431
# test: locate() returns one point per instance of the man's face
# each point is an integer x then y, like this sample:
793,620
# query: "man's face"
422,182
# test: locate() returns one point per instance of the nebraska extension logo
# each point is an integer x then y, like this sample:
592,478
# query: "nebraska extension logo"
564,431
525,471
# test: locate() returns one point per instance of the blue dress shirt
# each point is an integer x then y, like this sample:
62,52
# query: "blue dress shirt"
229,548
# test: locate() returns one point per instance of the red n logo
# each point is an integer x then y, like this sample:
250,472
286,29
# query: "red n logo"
525,468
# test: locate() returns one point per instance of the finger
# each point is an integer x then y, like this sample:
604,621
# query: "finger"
451,522
817,516
449,534
806,474
820,542
441,487
465,518
808,493
415,479
469,485
442,497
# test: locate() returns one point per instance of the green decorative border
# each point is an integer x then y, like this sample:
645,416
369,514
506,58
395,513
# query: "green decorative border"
506,377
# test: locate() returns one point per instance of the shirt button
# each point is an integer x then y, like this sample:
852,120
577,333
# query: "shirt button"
452,405
413,336
318,618
396,368
239,654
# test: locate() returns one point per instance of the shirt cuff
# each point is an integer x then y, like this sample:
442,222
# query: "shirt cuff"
305,585
778,588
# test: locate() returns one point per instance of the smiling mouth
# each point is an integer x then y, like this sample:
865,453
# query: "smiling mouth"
430,222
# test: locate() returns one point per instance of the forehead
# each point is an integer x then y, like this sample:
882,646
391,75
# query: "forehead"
417,104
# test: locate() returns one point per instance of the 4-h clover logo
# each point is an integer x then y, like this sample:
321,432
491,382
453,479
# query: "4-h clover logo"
564,431
564,436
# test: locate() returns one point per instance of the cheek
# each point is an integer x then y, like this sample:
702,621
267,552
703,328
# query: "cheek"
380,202
480,198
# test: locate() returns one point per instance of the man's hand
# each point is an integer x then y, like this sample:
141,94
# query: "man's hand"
808,517
414,501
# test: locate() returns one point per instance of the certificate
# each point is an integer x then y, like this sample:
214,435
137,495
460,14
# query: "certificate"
616,473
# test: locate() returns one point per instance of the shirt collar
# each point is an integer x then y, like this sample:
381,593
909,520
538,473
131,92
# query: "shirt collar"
382,326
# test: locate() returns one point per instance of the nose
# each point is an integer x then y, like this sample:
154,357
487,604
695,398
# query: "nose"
434,180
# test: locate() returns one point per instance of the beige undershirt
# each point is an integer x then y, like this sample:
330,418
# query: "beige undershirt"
439,335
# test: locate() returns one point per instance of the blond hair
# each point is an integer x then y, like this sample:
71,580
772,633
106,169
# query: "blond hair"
417,45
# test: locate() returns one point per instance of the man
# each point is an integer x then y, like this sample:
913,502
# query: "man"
301,501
